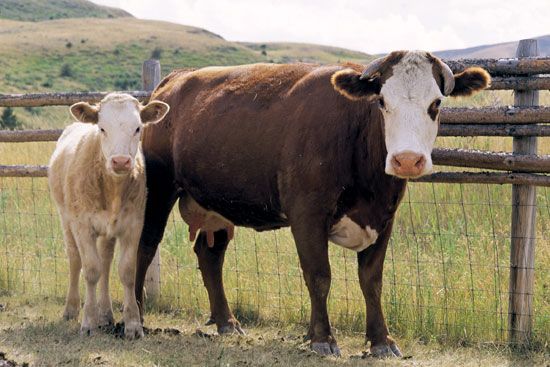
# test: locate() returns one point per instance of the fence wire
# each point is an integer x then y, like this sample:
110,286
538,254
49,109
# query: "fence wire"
445,277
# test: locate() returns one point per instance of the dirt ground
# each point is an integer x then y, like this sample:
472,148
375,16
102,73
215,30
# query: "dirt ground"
32,333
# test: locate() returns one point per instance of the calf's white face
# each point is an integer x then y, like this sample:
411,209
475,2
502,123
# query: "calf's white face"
120,119
409,87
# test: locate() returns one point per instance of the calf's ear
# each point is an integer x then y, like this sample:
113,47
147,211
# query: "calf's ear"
84,112
349,83
153,112
470,81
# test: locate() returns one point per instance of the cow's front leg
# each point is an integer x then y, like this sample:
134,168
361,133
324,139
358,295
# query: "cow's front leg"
312,244
211,266
371,264
129,243
106,249
86,243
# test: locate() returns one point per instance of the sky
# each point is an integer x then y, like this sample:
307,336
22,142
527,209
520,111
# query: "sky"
369,26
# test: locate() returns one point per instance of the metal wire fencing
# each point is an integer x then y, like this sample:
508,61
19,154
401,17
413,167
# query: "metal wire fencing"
445,278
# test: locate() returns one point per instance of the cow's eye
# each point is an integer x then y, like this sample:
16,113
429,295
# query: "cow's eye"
381,102
137,130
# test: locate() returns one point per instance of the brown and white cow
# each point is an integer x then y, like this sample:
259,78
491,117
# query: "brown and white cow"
326,150
97,180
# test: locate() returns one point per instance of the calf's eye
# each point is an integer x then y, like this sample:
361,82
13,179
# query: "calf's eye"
381,102
137,130
102,130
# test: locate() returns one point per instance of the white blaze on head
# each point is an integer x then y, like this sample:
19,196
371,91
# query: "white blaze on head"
120,119
409,129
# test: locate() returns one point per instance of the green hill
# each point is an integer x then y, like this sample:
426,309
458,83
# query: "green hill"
37,10
107,54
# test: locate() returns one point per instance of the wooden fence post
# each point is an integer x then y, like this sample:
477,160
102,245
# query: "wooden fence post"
150,77
522,254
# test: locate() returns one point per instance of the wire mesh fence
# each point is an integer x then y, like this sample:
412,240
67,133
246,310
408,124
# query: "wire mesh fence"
445,278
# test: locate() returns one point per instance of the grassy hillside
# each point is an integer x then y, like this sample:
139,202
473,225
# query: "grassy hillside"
499,50
282,52
106,54
36,10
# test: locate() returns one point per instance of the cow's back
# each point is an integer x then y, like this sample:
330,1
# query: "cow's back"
234,135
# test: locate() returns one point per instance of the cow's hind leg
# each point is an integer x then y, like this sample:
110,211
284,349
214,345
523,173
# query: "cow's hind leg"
312,245
72,302
106,249
371,263
211,266
161,196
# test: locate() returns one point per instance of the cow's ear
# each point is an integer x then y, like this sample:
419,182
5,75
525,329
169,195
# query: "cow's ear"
153,112
470,81
84,112
348,83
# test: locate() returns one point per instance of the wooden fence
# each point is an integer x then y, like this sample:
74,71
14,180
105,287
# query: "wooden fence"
522,168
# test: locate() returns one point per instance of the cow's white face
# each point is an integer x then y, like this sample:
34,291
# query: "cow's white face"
408,100
409,87
120,119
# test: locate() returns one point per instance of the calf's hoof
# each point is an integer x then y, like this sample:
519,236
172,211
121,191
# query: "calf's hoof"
87,330
106,318
385,351
231,327
326,349
70,313
133,330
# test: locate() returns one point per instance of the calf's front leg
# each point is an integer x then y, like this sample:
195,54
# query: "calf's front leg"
106,248
86,243
371,265
127,272
72,302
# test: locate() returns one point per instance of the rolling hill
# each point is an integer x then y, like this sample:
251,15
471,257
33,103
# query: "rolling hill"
37,10
498,50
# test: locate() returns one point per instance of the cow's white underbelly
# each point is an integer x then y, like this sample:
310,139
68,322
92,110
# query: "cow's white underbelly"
348,234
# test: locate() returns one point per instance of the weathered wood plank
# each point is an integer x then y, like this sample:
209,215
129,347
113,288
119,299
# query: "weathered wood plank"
25,136
23,171
520,83
486,178
517,66
496,115
492,160
522,252
493,130
60,99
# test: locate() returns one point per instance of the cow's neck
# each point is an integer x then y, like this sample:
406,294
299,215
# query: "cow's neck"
378,194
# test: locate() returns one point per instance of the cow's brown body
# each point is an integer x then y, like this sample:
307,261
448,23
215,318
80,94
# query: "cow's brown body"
268,146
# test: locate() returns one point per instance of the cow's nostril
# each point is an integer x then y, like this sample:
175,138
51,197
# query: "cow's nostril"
421,162
395,162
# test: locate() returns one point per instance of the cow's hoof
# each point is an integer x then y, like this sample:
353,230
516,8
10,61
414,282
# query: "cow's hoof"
232,328
326,349
385,351
133,330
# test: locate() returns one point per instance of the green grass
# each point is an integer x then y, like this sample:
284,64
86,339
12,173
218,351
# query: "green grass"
37,10
445,280
32,332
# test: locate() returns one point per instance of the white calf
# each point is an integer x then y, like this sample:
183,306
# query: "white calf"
97,179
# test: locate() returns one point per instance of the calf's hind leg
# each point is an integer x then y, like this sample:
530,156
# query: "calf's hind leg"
72,302
211,266
127,272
